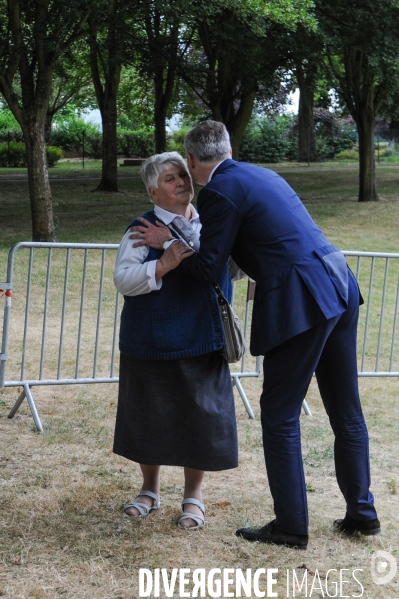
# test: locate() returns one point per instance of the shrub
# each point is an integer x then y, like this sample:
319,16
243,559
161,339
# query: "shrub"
9,127
175,142
392,158
68,134
93,144
53,155
266,140
347,155
332,134
136,144
14,155
7,135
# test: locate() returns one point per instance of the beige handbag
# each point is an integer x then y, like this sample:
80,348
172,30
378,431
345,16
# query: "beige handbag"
234,340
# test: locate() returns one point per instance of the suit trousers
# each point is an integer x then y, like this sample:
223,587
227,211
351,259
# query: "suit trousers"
328,350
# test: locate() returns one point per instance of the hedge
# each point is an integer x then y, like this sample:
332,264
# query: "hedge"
13,154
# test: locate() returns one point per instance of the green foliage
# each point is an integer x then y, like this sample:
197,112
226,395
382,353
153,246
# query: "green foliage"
393,158
267,140
53,155
382,152
136,144
13,154
347,155
93,144
7,119
68,134
135,100
7,135
332,134
175,142
9,126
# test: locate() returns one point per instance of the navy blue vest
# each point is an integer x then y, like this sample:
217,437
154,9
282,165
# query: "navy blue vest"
181,320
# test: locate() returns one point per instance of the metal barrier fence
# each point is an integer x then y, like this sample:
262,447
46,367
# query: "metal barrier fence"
65,321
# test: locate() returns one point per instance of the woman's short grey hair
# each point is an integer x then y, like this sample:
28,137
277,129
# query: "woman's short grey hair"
207,142
153,166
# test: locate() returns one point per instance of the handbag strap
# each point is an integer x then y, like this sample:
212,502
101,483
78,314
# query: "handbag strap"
220,294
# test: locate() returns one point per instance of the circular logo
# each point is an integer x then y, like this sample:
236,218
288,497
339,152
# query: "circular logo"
383,567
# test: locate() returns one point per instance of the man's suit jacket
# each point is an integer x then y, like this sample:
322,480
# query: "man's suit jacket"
252,214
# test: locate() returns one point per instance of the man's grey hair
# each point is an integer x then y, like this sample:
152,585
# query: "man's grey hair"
207,142
155,165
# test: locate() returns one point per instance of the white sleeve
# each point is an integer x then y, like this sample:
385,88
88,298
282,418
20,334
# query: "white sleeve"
133,276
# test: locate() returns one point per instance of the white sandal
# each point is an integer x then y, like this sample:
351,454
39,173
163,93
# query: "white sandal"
200,520
142,508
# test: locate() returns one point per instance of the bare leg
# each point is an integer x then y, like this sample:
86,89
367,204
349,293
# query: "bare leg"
192,488
150,483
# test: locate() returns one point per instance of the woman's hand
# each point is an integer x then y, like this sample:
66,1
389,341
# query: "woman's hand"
149,234
171,258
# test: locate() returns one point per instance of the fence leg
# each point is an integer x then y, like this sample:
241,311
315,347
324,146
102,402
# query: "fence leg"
240,389
17,404
27,393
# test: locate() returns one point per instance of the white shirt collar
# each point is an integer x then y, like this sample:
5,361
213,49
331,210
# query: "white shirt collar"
213,170
167,217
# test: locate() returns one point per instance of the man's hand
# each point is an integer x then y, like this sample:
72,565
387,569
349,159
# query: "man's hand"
171,258
149,234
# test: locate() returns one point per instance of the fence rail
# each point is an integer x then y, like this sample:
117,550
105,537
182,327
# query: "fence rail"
65,321
66,312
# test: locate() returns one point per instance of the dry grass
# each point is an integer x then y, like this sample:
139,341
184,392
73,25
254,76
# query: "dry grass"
63,531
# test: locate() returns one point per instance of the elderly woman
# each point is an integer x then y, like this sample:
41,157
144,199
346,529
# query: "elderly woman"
175,404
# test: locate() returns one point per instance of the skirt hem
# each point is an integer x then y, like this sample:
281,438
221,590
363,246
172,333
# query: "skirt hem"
179,463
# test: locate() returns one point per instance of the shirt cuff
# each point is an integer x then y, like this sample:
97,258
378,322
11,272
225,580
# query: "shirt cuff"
169,243
153,284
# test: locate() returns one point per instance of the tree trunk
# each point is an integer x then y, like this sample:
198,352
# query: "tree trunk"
160,110
306,137
47,130
39,185
367,178
237,125
159,131
106,83
109,171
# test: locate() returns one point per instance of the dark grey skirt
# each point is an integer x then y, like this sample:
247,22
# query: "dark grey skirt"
177,413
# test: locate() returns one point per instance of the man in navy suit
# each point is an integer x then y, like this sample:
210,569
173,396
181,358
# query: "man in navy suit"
304,322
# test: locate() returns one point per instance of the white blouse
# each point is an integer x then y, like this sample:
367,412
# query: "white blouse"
133,276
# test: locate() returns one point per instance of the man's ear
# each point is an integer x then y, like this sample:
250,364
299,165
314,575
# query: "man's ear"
190,160
231,152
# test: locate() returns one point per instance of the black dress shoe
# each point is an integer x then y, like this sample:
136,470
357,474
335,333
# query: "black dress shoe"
349,526
270,534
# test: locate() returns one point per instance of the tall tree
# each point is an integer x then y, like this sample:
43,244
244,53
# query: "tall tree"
236,54
307,59
109,43
363,51
33,37
71,83
163,26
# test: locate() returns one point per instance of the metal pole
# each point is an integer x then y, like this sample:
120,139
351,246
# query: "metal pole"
83,150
